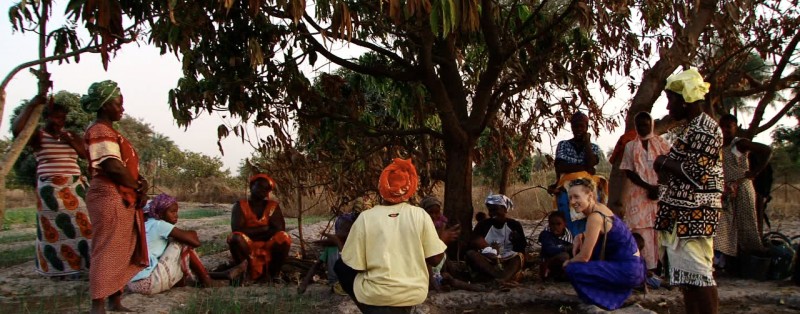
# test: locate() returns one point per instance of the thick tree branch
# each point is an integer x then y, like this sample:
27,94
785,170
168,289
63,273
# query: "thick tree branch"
437,90
451,76
494,67
548,29
758,114
684,47
380,50
403,76
780,115
760,88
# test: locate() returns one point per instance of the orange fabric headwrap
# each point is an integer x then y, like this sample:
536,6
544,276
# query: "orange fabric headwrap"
262,176
398,181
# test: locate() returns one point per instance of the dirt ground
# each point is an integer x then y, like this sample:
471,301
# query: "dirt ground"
23,291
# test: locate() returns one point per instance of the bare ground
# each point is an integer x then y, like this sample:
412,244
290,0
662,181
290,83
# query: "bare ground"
23,291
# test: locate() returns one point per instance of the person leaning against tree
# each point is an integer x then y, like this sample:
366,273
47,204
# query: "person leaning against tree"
64,229
115,200
690,193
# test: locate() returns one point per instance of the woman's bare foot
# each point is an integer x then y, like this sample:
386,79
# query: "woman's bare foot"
115,303
237,271
98,306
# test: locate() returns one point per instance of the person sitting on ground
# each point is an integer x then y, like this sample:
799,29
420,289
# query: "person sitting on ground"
433,206
332,246
498,243
259,235
480,216
384,263
606,265
556,242
172,257
441,276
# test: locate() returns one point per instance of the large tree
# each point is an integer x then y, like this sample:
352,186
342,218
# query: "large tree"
478,61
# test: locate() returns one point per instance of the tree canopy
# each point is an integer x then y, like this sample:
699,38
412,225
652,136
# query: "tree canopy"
516,67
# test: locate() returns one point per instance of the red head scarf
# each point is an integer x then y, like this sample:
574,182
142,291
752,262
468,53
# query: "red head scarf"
398,181
265,177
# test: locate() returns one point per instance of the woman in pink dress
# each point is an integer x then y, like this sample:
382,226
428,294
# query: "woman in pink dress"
641,199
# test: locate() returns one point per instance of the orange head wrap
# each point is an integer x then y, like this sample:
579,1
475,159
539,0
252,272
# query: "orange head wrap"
262,176
398,181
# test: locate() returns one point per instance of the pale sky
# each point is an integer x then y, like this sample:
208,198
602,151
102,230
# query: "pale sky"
145,78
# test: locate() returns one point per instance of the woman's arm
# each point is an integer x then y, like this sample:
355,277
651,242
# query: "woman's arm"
76,142
118,174
188,237
22,118
763,152
593,227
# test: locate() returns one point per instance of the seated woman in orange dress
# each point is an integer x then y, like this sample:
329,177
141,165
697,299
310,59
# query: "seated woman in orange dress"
259,235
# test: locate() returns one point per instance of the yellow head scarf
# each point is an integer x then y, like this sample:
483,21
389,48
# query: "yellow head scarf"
689,84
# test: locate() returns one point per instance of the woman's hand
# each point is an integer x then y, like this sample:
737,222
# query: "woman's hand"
448,235
576,244
652,192
144,186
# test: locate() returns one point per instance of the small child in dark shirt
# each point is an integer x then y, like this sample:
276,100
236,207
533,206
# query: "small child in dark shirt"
480,216
332,246
556,242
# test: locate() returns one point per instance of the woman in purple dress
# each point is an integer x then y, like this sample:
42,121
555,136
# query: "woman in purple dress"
606,266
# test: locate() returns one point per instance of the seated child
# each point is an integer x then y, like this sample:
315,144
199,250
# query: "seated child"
172,256
440,277
651,279
497,249
556,242
480,216
332,245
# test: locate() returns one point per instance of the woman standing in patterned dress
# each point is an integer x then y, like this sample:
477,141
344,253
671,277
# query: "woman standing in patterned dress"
738,227
114,201
63,229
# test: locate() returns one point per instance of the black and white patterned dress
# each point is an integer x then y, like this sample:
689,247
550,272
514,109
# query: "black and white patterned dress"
737,229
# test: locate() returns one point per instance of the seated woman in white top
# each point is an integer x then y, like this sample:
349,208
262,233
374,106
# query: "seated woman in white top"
172,257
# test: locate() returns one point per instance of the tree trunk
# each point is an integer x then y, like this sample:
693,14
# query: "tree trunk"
22,139
653,81
505,176
300,221
458,188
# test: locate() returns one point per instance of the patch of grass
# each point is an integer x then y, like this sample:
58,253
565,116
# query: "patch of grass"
223,222
200,213
18,238
307,220
17,256
22,217
212,247
237,301
77,303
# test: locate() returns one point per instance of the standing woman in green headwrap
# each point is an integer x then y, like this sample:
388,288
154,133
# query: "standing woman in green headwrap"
114,200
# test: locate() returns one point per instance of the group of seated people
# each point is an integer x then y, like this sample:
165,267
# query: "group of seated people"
259,244
597,254
601,262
